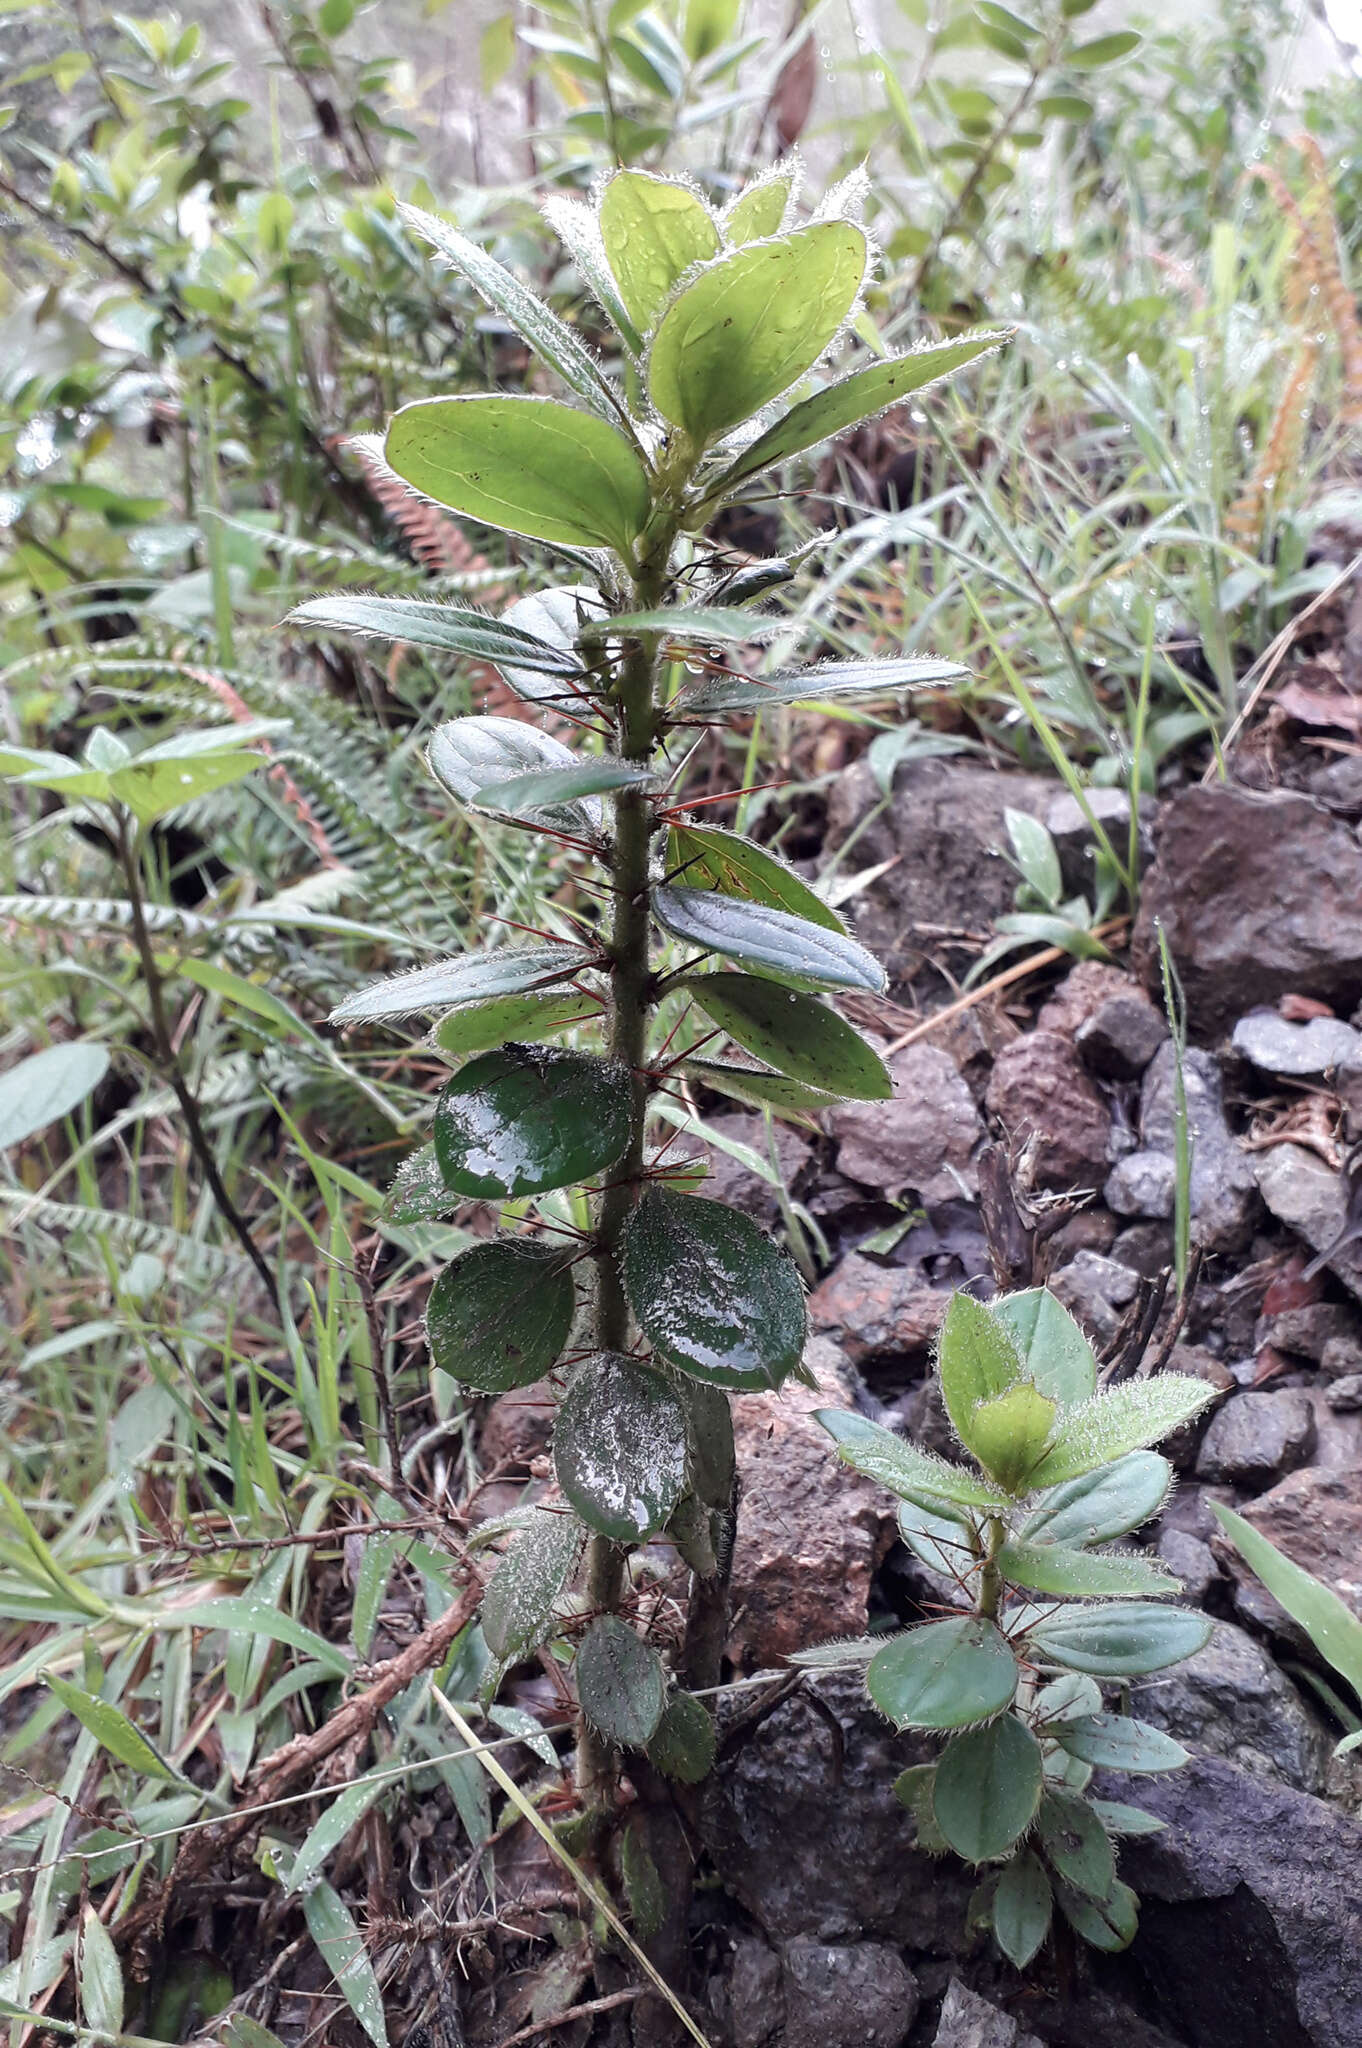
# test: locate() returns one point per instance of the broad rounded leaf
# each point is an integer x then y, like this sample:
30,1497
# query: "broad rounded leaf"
759,208
476,758
788,947
761,1089
1115,1742
987,1789
1126,1418
684,1742
621,1686
1022,1906
1120,1641
482,1025
518,1605
527,1118
1050,1344
1071,1697
905,1469
653,229
554,618
620,1447
722,693
1109,1502
500,1314
796,1033
1075,1844
526,465
472,978
977,1359
711,1292
1108,1924
1073,1574
943,1675
448,628
707,857
47,1086
1008,1433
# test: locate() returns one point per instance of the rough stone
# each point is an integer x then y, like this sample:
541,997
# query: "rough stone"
968,2021
1251,1916
1276,1046
810,1532
1348,1088
1222,1186
1192,1560
1084,991
753,1996
1042,1095
732,1182
1257,1437
862,1996
1315,1516
921,1140
1305,1332
1230,1700
1308,1196
1067,823
1142,1184
876,1311
1340,1357
1346,1393
1223,856
1147,1248
1201,1364
1095,1290
1120,1039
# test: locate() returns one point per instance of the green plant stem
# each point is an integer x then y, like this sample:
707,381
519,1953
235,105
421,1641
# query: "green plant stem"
991,1578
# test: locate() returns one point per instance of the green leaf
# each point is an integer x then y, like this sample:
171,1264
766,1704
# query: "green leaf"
977,1359
712,1461
620,1447
722,693
751,325
902,1467
1022,1906
500,1315
761,1089
704,625
1101,50
1108,1924
496,51
527,1118
707,857
538,796
621,1686
447,628
1114,1742
1331,1626
1035,855
576,227
759,209
113,1731
1120,1641
788,947
1080,1575
341,1947
1008,1433
472,978
1069,1698
477,759
327,1833
711,1292
796,1033
913,1789
1052,1348
152,789
335,16
943,1675
101,1976
1075,1844
1129,1416
483,1025
518,1605
684,1742
554,618
1110,1501
1119,1819
943,1538
531,318
254,1614
653,229
527,465
988,1786
851,400
47,1086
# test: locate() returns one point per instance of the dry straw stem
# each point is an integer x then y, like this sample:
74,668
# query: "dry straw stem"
1271,659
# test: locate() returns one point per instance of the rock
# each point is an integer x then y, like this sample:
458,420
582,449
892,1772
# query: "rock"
1095,1290
863,1996
1251,1916
1345,1393
1067,823
1315,1516
1222,1179
1085,990
1348,1088
1087,1230
1304,1193
1255,1438
1305,1332
1230,1700
732,1182
1223,854
1043,1097
1120,1039
1340,1357
1142,1184
1201,1364
1147,1248
753,1997
968,2021
974,1038
944,831
921,1140
1192,1560
875,1311
810,1531
1273,1045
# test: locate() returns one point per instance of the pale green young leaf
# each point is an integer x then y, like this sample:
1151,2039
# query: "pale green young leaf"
577,228
759,209
1053,1349
653,228
1126,1418
1008,1433
977,1359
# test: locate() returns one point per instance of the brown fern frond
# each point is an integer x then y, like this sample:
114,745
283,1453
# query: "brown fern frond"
437,541
1245,517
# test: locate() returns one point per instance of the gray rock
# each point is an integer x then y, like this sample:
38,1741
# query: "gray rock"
877,1312
753,1995
968,2021
1142,1184
1346,1393
1348,1086
1230,1700
921,1140
1308,1196
1045,1100
1147,1248
1224,855
1223,1186
1304,1332
1192,1560
1121,1038
1340,1357
863,1996
1276,1046
1251,1914
1258,1437
1095,1290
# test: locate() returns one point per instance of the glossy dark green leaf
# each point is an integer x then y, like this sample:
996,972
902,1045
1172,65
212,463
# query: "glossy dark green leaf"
751,324
788,947
943,1675
1116,1742
653,229
518,1606
853,399
904,1468
536,796
713,1459
620,1447
1022,1906
684,1742
526,465
761,1089
482,1025
1075,1844
977,1359
988,1786
707,857
1073,1574
795,1033
723,693
447,628
478,759
1109,1924
1125,1418
1052,1347
711,1293
472,978
1122,1641
500,1315
555,619
621,1686
527,1118
1110,1501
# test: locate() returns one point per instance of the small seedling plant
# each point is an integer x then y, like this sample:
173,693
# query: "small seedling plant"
661,1301
1058,1471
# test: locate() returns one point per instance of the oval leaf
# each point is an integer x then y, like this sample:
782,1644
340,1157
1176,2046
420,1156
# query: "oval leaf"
1022,1906
1008,1434
1080,1575
483,1025
1120,1642
553,618
1075,1844
1108,1924
711,1293
48,1085
721,693
943,1675
472,978
1052,1348
987,1788
475,759
500,1315
1115,1742
796,1033
620,1447
706,857
1111,1501
621,1686
653,229
684,1742
1129,1416
448,628
761,1089
977,1359
788,947
518,1605
760,207
527,1118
